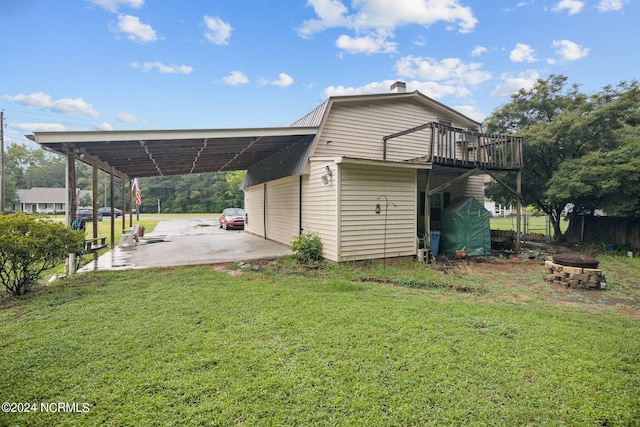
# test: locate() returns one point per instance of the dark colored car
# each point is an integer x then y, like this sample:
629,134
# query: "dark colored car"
232,218
87,214
106,211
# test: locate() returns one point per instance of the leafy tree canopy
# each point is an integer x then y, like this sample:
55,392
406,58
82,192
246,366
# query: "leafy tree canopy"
564,129
208,192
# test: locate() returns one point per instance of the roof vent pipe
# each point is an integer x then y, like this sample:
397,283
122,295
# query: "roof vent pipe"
399,87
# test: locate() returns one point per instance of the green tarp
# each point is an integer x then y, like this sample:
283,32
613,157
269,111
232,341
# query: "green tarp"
465,226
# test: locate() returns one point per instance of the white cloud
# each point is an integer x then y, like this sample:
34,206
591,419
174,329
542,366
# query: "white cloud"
478,50
217,32
449,70
431,89
513,83
135,30
366,45
522,53
127,118
162,68
374,21
331,14
572,6
42,101
284,80
420,41
610,5
113,5
236,78
104,126
569,50
470,111
37,127
387,15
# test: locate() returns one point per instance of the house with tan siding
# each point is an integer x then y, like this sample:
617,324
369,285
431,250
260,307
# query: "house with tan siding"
369,174
404,153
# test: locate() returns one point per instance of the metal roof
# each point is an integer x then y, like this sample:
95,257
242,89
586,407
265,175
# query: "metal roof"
174,152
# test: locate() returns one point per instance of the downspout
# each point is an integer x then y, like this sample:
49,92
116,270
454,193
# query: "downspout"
264,210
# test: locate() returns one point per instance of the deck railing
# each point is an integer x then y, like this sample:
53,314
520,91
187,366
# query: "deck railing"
449,146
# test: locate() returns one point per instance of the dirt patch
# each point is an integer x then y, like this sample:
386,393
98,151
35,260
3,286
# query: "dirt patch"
513,273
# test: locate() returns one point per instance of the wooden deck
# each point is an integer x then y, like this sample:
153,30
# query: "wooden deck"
463,148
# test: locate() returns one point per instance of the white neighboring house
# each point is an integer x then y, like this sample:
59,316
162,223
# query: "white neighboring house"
44,200
497,209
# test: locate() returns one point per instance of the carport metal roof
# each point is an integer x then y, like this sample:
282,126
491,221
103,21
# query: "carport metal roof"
145,153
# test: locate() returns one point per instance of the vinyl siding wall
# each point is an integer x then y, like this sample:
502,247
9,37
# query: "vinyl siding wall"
357,129
254,209
283,207
362,231
472,186
319,206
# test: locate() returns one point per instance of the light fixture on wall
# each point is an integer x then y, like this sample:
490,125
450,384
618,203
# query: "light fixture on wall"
326,177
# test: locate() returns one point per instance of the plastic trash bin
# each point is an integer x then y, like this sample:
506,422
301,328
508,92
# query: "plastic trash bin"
435,242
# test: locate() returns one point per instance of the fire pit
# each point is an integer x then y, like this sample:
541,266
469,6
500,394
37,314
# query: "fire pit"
574,271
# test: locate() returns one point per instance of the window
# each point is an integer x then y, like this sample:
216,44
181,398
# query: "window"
437,202
445,122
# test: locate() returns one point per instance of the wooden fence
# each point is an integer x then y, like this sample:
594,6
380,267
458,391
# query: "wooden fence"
624,233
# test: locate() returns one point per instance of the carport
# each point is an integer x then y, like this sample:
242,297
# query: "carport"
145,153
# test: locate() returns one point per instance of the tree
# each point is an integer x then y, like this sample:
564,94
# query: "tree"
601,180
29,246
561,125
234,196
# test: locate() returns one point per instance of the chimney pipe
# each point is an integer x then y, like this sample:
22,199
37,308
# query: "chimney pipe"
399,87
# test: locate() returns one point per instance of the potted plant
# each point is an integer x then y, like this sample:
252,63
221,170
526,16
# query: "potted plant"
141,230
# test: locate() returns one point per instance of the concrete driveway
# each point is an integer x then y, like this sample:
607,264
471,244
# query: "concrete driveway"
188,241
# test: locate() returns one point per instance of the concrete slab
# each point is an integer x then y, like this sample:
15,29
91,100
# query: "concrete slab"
188,241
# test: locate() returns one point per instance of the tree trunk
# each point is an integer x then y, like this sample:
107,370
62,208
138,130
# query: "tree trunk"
556,218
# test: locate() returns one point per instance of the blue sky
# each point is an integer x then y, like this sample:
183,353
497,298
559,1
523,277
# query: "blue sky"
162,64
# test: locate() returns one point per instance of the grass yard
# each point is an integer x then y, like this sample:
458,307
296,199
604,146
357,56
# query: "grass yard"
534,224
345,345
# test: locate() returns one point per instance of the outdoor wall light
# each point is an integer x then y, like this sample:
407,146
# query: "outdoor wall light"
326,177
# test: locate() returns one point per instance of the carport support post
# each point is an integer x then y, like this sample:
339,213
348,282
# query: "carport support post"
95,206
71,204
113,201
130,203
124,211
427,213
518,209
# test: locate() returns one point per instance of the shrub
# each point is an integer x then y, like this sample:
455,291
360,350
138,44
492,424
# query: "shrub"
307,247
30,245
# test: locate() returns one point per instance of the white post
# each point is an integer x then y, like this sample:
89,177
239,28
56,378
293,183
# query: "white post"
72,263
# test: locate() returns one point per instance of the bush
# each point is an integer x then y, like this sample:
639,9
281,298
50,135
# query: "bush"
30,245
307,247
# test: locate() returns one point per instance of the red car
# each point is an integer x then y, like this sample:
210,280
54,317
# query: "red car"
232,218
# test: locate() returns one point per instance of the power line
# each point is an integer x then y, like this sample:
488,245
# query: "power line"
44,117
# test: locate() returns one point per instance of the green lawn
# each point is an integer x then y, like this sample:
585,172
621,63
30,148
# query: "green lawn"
534,224
345,345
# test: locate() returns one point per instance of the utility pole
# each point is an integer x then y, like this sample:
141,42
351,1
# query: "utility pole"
2,162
